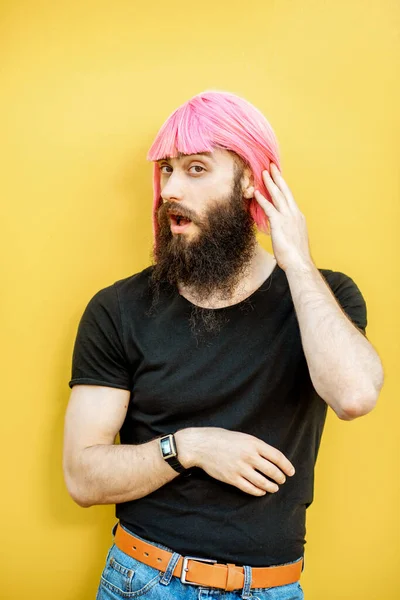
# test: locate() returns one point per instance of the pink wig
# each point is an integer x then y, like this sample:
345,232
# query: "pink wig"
211,120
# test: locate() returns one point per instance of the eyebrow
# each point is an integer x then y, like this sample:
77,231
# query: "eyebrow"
181,155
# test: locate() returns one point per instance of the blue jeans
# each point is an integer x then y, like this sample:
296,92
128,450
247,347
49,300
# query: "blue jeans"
126,577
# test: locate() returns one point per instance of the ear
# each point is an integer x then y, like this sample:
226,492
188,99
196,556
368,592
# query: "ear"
247,183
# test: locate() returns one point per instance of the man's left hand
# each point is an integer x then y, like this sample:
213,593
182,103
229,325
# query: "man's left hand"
288,224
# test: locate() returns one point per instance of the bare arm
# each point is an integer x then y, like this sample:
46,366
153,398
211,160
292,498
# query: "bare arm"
344,367
97,471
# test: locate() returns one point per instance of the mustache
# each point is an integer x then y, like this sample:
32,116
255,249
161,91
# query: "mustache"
173,208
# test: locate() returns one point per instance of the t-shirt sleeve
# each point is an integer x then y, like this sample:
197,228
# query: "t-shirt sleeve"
349,297
98,356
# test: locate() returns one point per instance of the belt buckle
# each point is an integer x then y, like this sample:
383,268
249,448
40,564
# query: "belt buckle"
185,567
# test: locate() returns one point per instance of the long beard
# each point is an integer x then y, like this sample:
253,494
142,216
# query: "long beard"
212,264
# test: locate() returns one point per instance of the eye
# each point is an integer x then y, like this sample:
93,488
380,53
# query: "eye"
197,167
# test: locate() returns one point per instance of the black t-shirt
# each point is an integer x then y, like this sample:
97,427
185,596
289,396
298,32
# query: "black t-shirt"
251,377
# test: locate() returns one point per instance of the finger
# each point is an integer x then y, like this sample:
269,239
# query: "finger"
265,204
277,457
269,469
277,196
259,480
246,486
282,185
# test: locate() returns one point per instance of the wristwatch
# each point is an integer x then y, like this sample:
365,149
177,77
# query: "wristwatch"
170,453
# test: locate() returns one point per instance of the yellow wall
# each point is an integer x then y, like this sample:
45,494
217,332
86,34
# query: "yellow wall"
85,85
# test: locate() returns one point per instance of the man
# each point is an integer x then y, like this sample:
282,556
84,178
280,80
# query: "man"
216,364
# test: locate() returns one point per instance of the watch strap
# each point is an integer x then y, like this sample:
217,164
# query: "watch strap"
175,464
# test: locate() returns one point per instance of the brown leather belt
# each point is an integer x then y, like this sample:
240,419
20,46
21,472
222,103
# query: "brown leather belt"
201,571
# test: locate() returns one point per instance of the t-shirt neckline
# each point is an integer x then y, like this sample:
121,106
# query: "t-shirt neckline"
242,302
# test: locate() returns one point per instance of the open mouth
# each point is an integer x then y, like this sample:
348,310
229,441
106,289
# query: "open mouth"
179,223
179,220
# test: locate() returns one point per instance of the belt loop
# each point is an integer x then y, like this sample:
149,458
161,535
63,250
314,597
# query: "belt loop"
166,579
246,592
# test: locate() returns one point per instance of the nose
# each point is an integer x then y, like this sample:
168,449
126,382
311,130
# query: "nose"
172,190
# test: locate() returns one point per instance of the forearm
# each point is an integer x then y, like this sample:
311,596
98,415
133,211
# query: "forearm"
110,474
344,367
233,457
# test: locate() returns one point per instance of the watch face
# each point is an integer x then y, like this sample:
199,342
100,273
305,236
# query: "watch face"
166,447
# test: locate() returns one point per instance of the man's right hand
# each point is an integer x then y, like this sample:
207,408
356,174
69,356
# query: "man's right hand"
233,457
